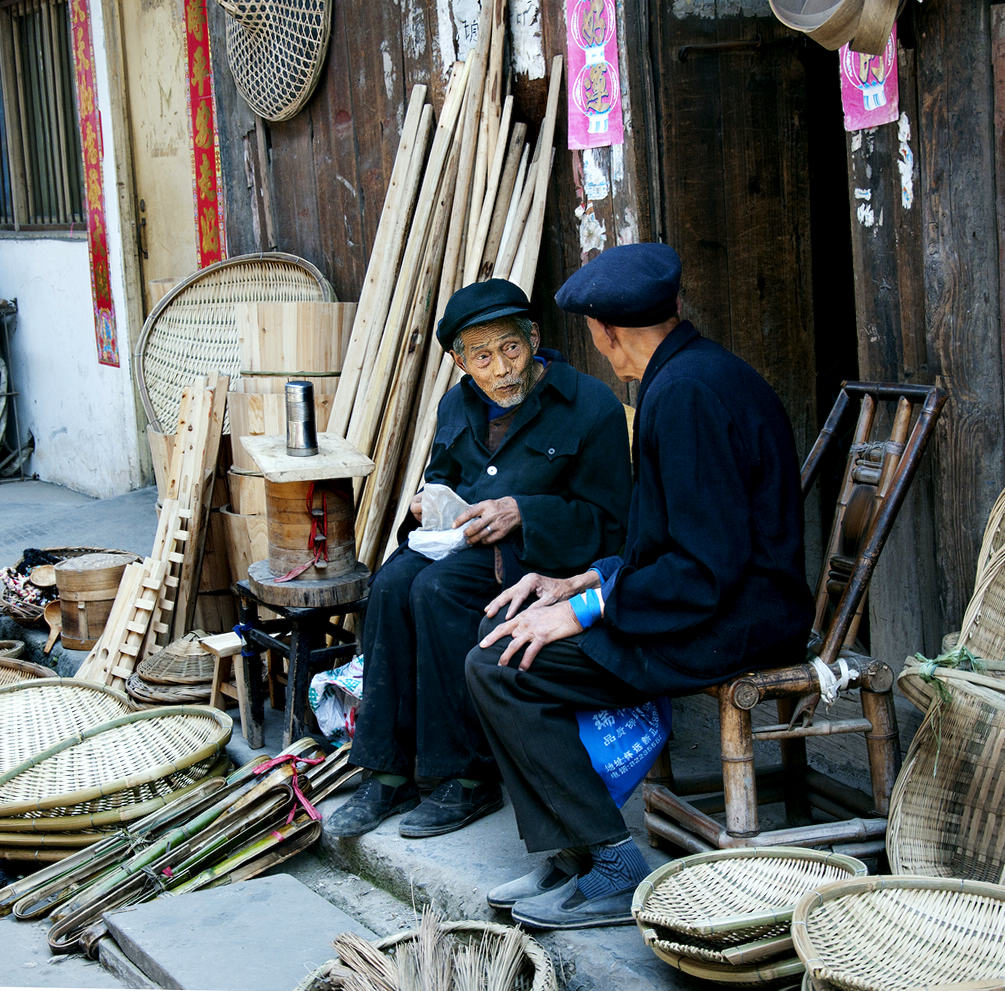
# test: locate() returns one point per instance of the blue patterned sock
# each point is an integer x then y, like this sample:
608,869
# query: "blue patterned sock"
616,866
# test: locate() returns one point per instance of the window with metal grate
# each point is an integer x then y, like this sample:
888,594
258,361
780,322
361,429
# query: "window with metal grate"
41,169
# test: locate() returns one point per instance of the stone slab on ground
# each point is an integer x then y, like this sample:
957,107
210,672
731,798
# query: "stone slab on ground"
26,961
265,934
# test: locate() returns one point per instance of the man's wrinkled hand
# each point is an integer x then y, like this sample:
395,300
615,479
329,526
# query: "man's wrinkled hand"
546,591
493,520
415,506
532,630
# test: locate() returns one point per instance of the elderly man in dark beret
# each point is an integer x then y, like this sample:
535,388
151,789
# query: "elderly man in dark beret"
710,583
540,452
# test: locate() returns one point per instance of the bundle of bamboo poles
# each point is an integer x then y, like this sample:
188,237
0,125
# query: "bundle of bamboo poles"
223,830
465,202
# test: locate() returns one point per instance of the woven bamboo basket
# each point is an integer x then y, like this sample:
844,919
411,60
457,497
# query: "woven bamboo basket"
123,762
151,693
13,671
39,713
11,648
537,974
183,662
729,897
947,808
901,933
192,330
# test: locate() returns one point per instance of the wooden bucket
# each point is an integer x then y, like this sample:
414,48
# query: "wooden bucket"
247,491
255,413
87,587
289,524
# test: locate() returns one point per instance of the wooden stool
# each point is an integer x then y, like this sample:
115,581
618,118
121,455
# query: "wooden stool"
877,474
309,613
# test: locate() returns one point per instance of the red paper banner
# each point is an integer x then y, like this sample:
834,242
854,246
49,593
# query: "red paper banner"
93,153
206,186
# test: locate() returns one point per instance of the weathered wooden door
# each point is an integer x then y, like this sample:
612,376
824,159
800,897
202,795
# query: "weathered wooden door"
155,67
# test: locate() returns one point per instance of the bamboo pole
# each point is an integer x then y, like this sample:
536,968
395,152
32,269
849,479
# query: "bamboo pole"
517,218
514,170
532,236
530,243
379,485
382,259
365,415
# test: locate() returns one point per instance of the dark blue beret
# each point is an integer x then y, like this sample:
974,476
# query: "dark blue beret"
481,302
631,285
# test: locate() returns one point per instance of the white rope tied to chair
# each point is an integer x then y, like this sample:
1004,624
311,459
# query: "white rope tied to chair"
830,684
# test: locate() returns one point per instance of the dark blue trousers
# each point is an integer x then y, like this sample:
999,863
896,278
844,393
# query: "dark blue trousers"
421,619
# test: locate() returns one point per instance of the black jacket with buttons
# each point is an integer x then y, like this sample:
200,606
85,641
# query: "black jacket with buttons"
565,460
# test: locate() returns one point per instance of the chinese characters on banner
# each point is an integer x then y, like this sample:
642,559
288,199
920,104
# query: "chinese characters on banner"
869,91
593,82
93,155
209,221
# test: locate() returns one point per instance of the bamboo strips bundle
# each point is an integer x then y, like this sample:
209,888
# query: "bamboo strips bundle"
222,830
472,209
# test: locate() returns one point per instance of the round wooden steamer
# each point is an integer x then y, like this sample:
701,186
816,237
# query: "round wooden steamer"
87,588
289,527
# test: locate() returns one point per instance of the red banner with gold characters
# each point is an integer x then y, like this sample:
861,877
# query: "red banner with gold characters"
93,150
207,189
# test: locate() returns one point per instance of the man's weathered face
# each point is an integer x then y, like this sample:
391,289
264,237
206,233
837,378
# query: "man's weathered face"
500,360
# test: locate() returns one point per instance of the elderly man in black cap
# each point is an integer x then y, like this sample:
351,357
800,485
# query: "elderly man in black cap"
540,451
710,583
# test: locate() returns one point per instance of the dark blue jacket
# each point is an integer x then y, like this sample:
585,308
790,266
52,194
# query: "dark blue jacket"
564,459
712,580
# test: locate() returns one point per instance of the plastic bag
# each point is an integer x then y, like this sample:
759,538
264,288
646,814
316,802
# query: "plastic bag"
624,743
437,538
334,695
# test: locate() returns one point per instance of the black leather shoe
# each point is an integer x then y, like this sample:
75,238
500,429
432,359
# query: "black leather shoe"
371,805
450,806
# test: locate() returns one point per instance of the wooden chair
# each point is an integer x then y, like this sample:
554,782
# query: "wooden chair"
876,477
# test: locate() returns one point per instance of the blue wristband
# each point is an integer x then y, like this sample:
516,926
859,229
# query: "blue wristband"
586,607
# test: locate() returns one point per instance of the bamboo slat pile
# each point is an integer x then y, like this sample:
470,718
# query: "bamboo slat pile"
156,599
222,830
465,202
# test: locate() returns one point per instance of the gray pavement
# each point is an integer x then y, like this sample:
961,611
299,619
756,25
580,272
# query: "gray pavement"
380,880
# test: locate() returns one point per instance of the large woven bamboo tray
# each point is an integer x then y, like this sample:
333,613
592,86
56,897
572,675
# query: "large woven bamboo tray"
37,714
538,972
13,671
193,331
129,760
947,808
902,933
731,897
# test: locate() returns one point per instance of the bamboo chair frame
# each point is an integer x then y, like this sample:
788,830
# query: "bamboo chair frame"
858,534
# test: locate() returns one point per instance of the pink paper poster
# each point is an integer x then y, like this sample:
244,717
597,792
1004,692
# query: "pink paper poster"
869,91
594,86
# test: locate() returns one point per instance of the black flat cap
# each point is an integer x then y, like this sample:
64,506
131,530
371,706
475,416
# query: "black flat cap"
481,302
631,285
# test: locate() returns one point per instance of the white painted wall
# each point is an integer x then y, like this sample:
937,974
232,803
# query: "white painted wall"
81,414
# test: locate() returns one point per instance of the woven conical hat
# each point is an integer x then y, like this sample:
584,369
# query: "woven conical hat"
276,50
831,23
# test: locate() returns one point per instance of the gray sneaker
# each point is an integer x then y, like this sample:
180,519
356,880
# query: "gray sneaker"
566,907
556,870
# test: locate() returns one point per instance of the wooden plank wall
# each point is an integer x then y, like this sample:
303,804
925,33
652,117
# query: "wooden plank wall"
314,185
927,284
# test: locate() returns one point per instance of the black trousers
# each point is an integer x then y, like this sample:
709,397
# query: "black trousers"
422,617
529,718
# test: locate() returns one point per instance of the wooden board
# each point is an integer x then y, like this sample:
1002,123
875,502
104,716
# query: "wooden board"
336,458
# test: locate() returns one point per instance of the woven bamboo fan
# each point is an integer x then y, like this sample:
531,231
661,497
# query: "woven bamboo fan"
731,897
193,331
536,972
37,714
947,809
900,933
183,662
125,761
13,671
276,50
